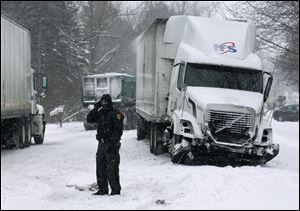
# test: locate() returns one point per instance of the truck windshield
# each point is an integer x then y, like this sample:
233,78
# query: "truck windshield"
224,77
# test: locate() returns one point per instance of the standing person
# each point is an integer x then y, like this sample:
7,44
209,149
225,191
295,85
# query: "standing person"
59,119
109,132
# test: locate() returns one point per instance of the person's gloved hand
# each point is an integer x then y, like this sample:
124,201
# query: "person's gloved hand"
97,105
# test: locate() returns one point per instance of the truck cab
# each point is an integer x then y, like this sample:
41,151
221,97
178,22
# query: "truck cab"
222,105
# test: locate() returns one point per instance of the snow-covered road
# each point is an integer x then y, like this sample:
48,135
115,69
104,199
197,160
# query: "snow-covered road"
45,176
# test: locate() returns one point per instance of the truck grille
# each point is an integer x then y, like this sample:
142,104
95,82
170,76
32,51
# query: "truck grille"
220,119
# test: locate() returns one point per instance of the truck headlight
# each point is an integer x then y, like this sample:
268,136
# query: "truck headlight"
186,126
267,135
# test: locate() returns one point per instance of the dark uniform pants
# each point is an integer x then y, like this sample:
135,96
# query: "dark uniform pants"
108,161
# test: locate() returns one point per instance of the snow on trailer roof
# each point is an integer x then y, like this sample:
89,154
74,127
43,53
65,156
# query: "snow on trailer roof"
18,23
209,41
107,75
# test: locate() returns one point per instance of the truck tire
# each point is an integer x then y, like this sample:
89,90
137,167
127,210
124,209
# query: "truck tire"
156,134
128,120
22,136
40,139
152,138
28,134
141,128
133,119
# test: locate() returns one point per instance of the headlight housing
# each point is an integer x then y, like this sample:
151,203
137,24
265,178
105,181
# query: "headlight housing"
186,127
266,136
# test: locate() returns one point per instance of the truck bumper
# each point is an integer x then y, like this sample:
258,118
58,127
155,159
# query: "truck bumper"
223,156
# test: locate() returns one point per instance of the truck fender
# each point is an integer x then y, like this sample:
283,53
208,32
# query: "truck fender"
264,134
178,116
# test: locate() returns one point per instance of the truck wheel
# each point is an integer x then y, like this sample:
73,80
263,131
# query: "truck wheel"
141,128
22,137
152,137
129,120
28,134
133,119
156,135
40,139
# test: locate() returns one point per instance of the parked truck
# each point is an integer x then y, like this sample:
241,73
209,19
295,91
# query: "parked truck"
201,92
120,86
21,117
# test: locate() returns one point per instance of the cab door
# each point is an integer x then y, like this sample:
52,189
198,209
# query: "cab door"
177,82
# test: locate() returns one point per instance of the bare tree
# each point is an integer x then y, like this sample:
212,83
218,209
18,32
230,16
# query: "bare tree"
195,8
107,34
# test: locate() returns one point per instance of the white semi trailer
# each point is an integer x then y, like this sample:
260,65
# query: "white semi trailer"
21,117
201,91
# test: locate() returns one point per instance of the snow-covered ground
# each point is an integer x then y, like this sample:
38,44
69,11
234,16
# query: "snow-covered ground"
45,176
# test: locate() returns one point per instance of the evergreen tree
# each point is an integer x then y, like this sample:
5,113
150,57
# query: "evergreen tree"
55,50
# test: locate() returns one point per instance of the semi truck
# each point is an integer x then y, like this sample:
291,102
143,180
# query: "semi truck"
201,92
21,116
120,86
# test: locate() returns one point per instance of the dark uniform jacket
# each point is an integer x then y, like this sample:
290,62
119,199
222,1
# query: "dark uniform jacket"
110,123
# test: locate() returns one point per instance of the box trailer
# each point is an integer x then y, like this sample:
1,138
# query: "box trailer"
21,116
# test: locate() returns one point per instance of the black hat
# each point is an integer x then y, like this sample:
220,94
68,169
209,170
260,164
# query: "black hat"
107,98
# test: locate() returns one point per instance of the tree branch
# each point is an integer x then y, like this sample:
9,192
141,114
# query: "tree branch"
281,47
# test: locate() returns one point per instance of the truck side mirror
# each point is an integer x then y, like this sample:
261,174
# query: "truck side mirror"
45,84
268,87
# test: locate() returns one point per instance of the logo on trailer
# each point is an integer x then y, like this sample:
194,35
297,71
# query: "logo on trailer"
226,47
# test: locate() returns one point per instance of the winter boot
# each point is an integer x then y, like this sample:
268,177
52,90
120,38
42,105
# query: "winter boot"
115,193
100,193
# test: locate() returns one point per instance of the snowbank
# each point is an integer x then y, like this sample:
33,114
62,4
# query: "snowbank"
46,176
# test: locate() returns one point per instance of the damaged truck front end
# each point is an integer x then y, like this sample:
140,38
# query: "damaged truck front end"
229,135
221,116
